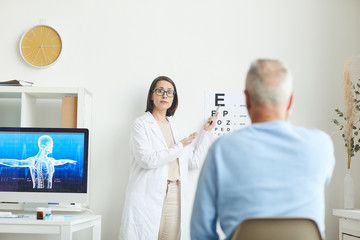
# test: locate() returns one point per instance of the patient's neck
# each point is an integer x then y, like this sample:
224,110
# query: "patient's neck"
265,112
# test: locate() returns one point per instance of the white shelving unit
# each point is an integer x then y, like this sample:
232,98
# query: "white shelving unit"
41,106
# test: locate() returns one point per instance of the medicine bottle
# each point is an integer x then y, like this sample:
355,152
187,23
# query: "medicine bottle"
40,213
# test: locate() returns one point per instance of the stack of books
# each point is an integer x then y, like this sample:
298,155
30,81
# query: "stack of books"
16,83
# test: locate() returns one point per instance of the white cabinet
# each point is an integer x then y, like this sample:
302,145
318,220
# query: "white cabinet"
349,223
349,237
41,106
60,226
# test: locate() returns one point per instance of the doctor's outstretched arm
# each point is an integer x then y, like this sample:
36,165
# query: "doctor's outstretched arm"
149,158
206,138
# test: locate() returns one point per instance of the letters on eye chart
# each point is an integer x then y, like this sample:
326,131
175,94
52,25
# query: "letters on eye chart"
232,112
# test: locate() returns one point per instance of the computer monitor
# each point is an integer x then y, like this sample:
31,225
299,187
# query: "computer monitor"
44,165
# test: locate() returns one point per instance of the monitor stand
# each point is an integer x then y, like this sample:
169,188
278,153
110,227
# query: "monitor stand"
55,207
11,206
31,207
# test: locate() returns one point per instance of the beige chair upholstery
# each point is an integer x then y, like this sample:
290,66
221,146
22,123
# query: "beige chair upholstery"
277,228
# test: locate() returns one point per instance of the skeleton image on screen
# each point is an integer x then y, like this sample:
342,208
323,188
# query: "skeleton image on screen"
41,166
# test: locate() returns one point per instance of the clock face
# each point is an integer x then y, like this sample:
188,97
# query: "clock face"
41,46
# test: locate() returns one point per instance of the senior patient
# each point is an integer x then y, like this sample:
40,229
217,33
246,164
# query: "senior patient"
270,168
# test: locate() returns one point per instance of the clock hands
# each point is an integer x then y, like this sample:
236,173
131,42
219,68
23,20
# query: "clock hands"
44,54
37,53
42,49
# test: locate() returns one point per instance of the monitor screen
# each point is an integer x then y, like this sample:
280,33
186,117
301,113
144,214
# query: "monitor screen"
43,164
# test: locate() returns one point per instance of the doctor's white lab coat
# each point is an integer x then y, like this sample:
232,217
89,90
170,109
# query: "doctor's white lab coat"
147,184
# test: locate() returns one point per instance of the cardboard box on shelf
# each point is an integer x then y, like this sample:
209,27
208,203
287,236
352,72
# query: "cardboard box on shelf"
69,112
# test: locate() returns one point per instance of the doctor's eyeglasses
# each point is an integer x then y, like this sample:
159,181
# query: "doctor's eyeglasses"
161,92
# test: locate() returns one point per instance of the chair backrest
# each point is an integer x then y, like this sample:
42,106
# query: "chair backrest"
277,228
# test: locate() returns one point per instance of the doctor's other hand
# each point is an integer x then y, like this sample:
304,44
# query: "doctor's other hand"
189,139
211,122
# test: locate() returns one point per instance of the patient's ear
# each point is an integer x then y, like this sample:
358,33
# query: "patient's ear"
247,97
290,102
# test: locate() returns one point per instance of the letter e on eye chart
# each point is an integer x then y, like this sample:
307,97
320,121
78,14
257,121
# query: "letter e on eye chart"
232,110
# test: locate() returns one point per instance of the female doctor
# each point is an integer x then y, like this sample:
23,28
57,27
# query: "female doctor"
155,206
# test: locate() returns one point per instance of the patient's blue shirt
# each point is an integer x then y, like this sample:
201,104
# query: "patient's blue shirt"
266,169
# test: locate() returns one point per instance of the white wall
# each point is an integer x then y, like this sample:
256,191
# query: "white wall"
116,48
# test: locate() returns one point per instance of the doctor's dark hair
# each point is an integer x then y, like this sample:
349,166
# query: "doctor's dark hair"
150,105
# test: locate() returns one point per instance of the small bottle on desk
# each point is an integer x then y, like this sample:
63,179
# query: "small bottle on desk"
40,213
47,214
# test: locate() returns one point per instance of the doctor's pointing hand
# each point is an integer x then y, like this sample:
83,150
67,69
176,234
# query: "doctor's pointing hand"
209,125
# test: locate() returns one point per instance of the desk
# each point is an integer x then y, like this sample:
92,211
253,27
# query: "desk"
349,223
58,225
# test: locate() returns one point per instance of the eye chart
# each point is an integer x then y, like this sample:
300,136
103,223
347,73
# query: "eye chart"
232,113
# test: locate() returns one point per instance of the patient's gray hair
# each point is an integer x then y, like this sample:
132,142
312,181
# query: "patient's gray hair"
269,81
